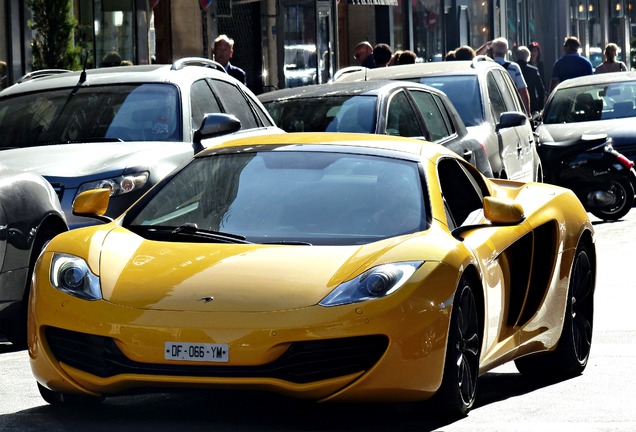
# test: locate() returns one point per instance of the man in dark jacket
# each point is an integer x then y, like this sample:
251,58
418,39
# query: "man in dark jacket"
533,79
223,50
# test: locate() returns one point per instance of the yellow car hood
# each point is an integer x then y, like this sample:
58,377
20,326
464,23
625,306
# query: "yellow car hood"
143,274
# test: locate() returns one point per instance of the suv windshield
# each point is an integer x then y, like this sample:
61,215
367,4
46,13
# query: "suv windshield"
286,197
463,91
135,112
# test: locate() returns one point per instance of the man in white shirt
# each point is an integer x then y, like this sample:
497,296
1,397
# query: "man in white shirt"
499,52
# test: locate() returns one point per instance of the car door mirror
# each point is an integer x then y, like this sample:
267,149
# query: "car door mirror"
503,211
214,125
92,203
511,119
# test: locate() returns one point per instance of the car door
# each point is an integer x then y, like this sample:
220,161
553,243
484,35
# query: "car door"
513,102
510,146
4,231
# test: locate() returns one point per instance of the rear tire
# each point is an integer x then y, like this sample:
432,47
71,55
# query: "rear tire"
624,201
573,350
456,395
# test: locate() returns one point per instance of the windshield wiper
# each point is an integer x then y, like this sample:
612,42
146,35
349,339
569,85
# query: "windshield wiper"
191,229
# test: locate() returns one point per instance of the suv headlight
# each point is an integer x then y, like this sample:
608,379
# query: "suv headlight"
374,283
71,275
117,185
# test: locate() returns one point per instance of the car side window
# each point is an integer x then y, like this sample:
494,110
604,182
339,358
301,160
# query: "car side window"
234,102
202,101
508,91
462,191
497,103
401,118
435,117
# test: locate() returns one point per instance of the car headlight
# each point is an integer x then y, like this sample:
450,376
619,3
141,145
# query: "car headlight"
374,283
71,275
117,185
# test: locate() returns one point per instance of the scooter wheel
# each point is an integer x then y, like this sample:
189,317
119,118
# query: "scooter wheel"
624,201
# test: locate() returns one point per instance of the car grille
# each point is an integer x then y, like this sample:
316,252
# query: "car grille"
59,190
303,362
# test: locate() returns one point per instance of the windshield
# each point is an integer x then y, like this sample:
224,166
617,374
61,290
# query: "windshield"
289,197
592,102
463,91
325,114
142,112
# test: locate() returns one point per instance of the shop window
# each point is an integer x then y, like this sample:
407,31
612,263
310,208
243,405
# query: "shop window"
114,28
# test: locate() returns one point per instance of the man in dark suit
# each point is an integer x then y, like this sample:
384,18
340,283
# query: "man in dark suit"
531,74
223,50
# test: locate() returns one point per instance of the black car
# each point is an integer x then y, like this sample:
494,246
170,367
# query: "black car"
376,107
487,101
30,216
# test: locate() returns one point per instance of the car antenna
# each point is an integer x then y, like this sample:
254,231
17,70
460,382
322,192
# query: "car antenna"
83,74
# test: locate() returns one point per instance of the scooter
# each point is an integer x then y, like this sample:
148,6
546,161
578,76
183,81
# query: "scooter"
603,179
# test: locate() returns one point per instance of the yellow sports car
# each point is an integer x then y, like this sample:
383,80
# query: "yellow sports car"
332,267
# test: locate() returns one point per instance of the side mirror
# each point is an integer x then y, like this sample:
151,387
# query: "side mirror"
214,125
503,211
511,119
92,203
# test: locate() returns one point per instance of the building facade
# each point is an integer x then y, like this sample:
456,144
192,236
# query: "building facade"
286,43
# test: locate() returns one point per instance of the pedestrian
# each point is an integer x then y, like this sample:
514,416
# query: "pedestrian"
395,59
610,64
450,56
407,57
531,75
363,54
571,64
499,48
382,55
464,52
535,59
111,59
223,51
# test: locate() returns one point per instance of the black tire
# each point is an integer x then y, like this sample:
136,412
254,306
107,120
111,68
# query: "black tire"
624,201
456,395
15,328
573,350
56,398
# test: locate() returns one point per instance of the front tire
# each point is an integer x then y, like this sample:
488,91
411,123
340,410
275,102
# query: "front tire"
573,350
456,395
624,192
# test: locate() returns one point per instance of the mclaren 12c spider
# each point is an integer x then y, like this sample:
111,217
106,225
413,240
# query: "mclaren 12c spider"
325,266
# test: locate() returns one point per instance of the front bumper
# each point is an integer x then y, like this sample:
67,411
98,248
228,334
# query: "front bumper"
391,349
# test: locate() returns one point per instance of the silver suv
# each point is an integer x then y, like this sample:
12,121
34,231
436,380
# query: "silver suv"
123,128
487,101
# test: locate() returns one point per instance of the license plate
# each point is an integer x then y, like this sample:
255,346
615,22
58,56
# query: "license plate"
201,352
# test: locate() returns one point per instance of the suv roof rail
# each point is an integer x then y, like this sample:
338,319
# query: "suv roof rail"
40,74
480,58
197,61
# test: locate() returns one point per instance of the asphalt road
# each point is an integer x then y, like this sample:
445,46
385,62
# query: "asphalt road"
599,400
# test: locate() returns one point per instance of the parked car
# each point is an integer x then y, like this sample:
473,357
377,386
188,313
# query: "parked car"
596,104
123,128
30,216
330,266
487,101
377,107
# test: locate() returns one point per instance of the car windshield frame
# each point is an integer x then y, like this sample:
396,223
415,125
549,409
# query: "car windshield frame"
286,197
112,112
593,102
464,92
